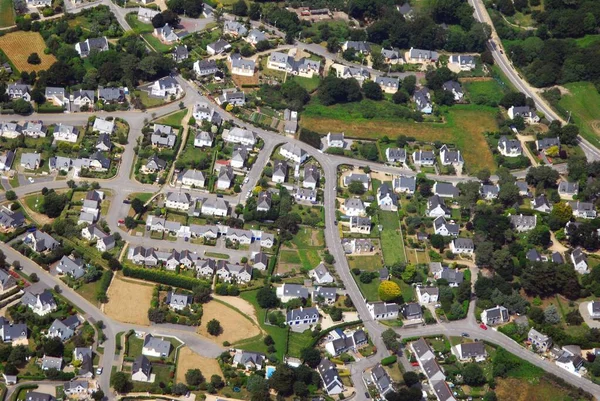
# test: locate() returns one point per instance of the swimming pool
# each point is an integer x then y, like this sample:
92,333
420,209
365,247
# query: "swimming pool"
269,371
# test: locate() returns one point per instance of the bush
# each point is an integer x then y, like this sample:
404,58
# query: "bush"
388,360
162,277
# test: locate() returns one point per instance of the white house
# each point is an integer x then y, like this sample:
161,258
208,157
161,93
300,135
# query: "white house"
156,347
579,260
495,315
335,140
462,246
383,310
66,133
103,126
164,87
321,275
427,295
293,152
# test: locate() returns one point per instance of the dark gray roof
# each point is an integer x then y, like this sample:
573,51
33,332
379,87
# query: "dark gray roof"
411,309
157,344
143,364
178,299
302,313
533,255
546,143
35,396
445,188
557,258
295,290
475,349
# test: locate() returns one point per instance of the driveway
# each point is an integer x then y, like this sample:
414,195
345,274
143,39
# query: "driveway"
583,309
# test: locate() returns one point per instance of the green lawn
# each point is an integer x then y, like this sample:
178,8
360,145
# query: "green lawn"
163,375
587,40
148,101
298,341
143,196
289,256
584,104
370,263
137,26
310,84
489,90
158,46
33,200
89,291
173,119
309,238
216,255
391,239
134,346
370,290
7,13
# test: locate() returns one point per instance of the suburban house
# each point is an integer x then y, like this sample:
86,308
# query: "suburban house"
421,56
140,370
540,342
64,329
332,382
454,88
453,277
87,46
345,341
39,241
66,133
442,227
360,225
12,332
321,275
215,207
594,309
260,261
382,381
364,179
6,160
451,157
166,34
225,177
411,311
111,95
522,223
422,98
242,66
203,68
388,84
19,91
180,53
249,360
312,176
103,126
41,304
474,351
302,316
495,315
445,190
31,161
241,136
145,15
584,210
568,189
165,87
570,359
178,200
428,295
218,47
510,147
541,204
71,267
11,219
392,56
163,136
436,207
280,168
354,207
395,155
305,194
489,191
579,260
386,198
156,347
424,158
528,114
358,46
463,62
154,164
293,152
462,246
303,67
405,184
287,292
34,129
255,36
359,73
383,310
204,112
234,28
263,201
324,294
51,362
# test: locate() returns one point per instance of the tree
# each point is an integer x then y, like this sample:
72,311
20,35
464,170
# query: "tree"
194,377
34,59
10,369
311,357
201,294
333,44
409,84
214,327
356,188
389,291
180,389
473,375
257,385
400,97
300,389
254,11
437,241
98,395
551,315
130,223
282,380
366,277
120,382
369,151
10,195
18,355
138,206
484,175
158,21
240,8
266,298
490,396
34,278
409,274
54,204
543,175
390,339
410,378
372,90
216,381
21,106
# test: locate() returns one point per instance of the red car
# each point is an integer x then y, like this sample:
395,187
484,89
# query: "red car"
121,221
483,326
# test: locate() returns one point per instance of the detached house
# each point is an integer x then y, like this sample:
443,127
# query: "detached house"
39,241
383,310
540,342
445,190
360,225
218,47
442,227
395,155
451,157
155,347
225,177
579,260
422,99
386,198
280,168
361,47
103,126
421,56
203,68
424,158
568,189
494,316
321,275
528,114
523,223
234,28
302,316
405,184
583,210
428,295
165,87
364,179
510,147
388,84
19,91
166,34
86,47
41,304
12,332
311,176
66,133
204,112
436,207
192,178
141,368
354,207
287,292
293,152
71,267
241,66
474,351
462,246
464,63
546,143
163,136
31,161
332,382
455,89
249,360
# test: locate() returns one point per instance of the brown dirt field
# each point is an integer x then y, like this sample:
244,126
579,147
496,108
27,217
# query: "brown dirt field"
128,301
242,305
235,326
19,45
538,390
188,359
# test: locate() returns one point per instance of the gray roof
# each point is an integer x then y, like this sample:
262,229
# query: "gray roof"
11,219
301,313
509,144
353,203
396,154
325,292
533,255
435,201
382,380
12,331
411,309
442,391
523,221
407,182
578,256
423,155
311,173
50,362
450,156
111,94
157,344
451,227
546,143
384,307
141,363
497,312
178,299
360,46
247,357
73,267
242,63
557,257
474,349
31,159
421,347
295,290
280,168
36,396
329,374
387,82
219,46
567,187
445,188
540,201
463,243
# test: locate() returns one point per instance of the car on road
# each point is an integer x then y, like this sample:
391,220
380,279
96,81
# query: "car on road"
367,395
483,326
121,221
99,371
126,201
31,180
335,222
465,335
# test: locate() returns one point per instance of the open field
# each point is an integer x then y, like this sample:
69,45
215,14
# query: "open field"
173,119
488,89
584,104
464,127
188,359
236,327
369,263
530,390
7,13
391,240
138,26
124,292
19,45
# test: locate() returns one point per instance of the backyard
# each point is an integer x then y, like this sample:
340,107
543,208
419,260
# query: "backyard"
136,25
173,119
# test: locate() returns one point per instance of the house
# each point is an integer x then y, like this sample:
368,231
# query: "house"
451,157
354,207
81,98
280,168
442,227
464,63
405,184
92,232
384,274
436,207
41,304
192,178
12,332
462,245
218,47
71,267
594,309
11,219
103,126
180,53
303,67
411,311
406,10
304,194
165,87
87,46
364,179
7,281
86,357
35,129
541,204
229,272
141,368
557,258
111,95
206,267
359,73
263,201
163,136
35,396
19,91
445,190
31,161
234,28
287,292
495,315
50,362
241,136
260,261
106,243
395,155
56,96
178,200
66,133
523,223
326,294
546,143
10,130
568,189
156,347
382,381
233,97
203,139
255,36
302,316
204,112
540,342
510,147
311,176
388,84
103,143
474,351
321,275
6,160
383,310
528,114
386,198
332,382
421,56
453,277
422,98
523,188
358,46
579,260
454,88
290,118
360,225
39,241
533,255
391,56
155,164
166,34
422,350
203,68
569,358
77,387
584,210
428,295
424,158
345,341
357,245
242,66
489,192
215,207
293,152
145,15
249,360
225,177
64,329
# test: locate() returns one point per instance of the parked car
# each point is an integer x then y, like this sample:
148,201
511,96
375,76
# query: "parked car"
483,326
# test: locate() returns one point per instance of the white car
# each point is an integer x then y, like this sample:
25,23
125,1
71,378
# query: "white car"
99,371
31,180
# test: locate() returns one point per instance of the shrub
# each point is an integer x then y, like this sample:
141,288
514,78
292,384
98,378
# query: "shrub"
388,360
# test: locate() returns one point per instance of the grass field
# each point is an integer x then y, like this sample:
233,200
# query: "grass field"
7,13
19,45
173,119
391,240
530,390
489,89
89,291
584,104
370,263
369,290
137,26
297,342
156,44
122,292
587,40
148,101
464,127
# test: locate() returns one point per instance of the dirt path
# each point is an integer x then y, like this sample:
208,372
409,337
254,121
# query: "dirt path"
530,156
556,245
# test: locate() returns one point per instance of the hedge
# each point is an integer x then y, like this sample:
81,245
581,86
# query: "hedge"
104,282
163,277
388,360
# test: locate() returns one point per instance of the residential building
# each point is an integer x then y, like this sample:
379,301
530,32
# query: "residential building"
93,44
293,152
522,223
192,178
388,84
357,245
489,192
451,157
302,316
241,136
547,143
455,89
540,342
422,99
464,63
312,176
360,225
6,160
156,347
165,87
569,358
321,275
474,351
436,207
386,198
56,96
332,382
462,246
359,73
528,114
141,368
354,207
180,53
287,292
64,329
345,341
234,28
358,46
326,294
41,304
583,210
103,126
280,168
111,95
364,179
260,261
382,381
383,310
411,311
428,295
255,36
424,158
445,190
11,219
103,143
494,316
225,177
421,56
391,56
203,68
66,133
19,91
12,332
218,47
453,277
39,241
579,260
442,227
166,34
568,189
249,360
155,164
594,309
31,161
178,200
215,207
541,204
405,184
242,66
395,155
290,118
50,362
510,147
303,67
35,129
304,194
163,136
71,267
263,201
145,15
36,396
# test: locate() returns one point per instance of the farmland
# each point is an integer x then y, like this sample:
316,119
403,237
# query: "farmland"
7,13
19,45
127,292
464,126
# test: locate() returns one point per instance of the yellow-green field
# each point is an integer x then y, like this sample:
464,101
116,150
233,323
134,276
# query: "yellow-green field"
19,45
583,101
